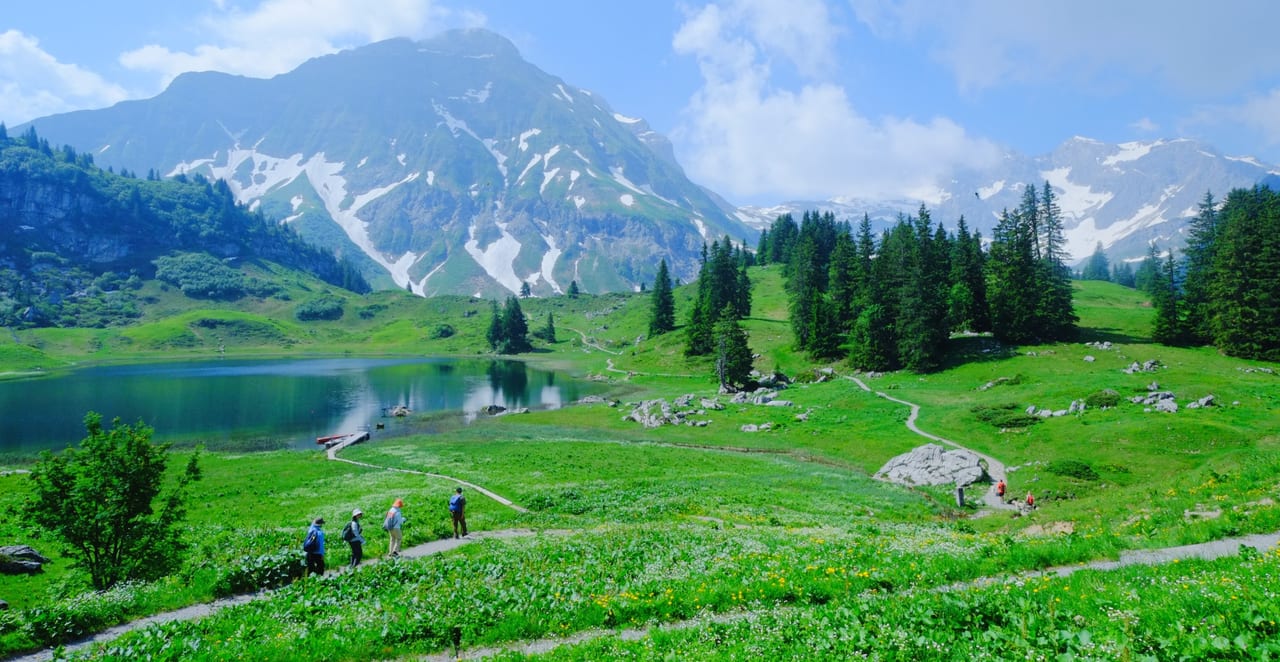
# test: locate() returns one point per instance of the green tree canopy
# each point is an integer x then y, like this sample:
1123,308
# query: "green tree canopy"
100,501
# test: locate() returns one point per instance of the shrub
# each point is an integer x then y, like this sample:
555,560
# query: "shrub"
1007,415
201,276
260,572
1072,468
67,620
320,308
1104,398
442,331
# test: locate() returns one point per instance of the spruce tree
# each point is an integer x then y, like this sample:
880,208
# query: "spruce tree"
733,355
1167,328
573,289
1198,260
515,330
1244,314
1097,267
662,317
495,333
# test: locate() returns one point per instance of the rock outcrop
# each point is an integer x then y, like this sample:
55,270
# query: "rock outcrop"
21,560
931,464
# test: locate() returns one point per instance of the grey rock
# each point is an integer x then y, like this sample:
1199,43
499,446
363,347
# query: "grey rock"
23,552
750,427
779,403
1088,358
932,465
712,403
1167,406
592,400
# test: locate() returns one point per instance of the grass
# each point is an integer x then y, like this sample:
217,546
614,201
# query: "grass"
781,534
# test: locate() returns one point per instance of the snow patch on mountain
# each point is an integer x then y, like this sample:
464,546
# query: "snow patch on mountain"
1074,199
455,125
497,259
525,136
621,178
702,227
549,262
295,202
626,120
563,93
627,199
547,176
1131,151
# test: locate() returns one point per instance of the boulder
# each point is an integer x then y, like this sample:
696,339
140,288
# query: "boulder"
931,464
492,410
21,560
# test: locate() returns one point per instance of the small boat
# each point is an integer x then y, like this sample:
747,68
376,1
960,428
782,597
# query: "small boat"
332,437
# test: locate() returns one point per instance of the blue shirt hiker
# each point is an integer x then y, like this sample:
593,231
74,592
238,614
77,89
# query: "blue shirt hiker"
313,545
458,511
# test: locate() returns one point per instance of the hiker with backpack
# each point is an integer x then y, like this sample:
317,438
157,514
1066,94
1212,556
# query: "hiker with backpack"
313,545
458,511
392,525
354,535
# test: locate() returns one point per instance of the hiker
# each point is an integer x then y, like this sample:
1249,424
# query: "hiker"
1000,489
313,545
458,510
1031,500
353,533
392,525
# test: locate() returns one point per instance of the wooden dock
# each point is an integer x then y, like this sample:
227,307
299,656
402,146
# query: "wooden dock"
335,443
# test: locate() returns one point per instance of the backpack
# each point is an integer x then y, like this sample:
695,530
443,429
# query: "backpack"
390,522
348,534
312,544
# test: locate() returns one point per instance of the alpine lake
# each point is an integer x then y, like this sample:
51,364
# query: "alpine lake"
244,404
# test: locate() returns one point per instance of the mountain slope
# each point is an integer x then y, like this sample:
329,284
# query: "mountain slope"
449,165
1125,196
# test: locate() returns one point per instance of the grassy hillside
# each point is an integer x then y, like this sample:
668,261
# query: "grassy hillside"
782,536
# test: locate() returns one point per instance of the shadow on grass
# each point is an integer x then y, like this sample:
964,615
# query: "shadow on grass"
975,349
1111,335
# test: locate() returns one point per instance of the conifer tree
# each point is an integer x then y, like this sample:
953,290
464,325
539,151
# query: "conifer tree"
662,317
573,289
1097,267
515,330
494,335
1198,258
733,355
1244,314
1167,327
1012,269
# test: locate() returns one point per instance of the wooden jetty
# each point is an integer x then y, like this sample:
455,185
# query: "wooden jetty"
337,442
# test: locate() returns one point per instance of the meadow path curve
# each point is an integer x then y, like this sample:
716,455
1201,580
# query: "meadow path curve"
995,468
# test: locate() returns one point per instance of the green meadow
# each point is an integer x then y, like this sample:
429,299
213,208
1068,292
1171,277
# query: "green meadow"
685,542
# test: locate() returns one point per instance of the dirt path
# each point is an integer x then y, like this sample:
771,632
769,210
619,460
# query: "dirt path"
995,468
333,455
591,343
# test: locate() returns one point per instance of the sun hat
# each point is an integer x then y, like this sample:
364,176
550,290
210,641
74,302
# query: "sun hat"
357,512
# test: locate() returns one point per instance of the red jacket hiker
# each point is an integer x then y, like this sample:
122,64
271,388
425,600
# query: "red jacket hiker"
1031,500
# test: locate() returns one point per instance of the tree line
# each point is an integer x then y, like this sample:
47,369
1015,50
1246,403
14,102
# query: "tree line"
1225,289
893,301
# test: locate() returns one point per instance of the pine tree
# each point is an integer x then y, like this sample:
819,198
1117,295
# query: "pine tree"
1011,265
1097,267
1244,314
573,289
1122,274
1167,327
733,355
548,332
1199,255
495,333
662,317
515,330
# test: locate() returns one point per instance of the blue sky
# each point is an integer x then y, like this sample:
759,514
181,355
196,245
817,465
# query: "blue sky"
765,100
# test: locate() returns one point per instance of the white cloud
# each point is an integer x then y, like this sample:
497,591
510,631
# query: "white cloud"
277,35
1259,114
744,136
1145,125
33,83
1197,48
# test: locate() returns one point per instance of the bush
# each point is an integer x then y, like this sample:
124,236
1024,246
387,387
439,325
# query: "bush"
442,331
1104,398
72,619
1007,415
1072,468
260,572
201,276
321,308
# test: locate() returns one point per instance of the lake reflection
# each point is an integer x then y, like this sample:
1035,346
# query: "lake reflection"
298,400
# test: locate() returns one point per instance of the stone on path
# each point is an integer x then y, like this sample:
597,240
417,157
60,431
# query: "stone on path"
932,465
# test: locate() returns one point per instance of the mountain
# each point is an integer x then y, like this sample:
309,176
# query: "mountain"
449,165
78,240
1125,196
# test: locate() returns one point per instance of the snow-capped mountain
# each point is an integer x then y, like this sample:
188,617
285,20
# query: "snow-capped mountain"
1125,196
449,165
